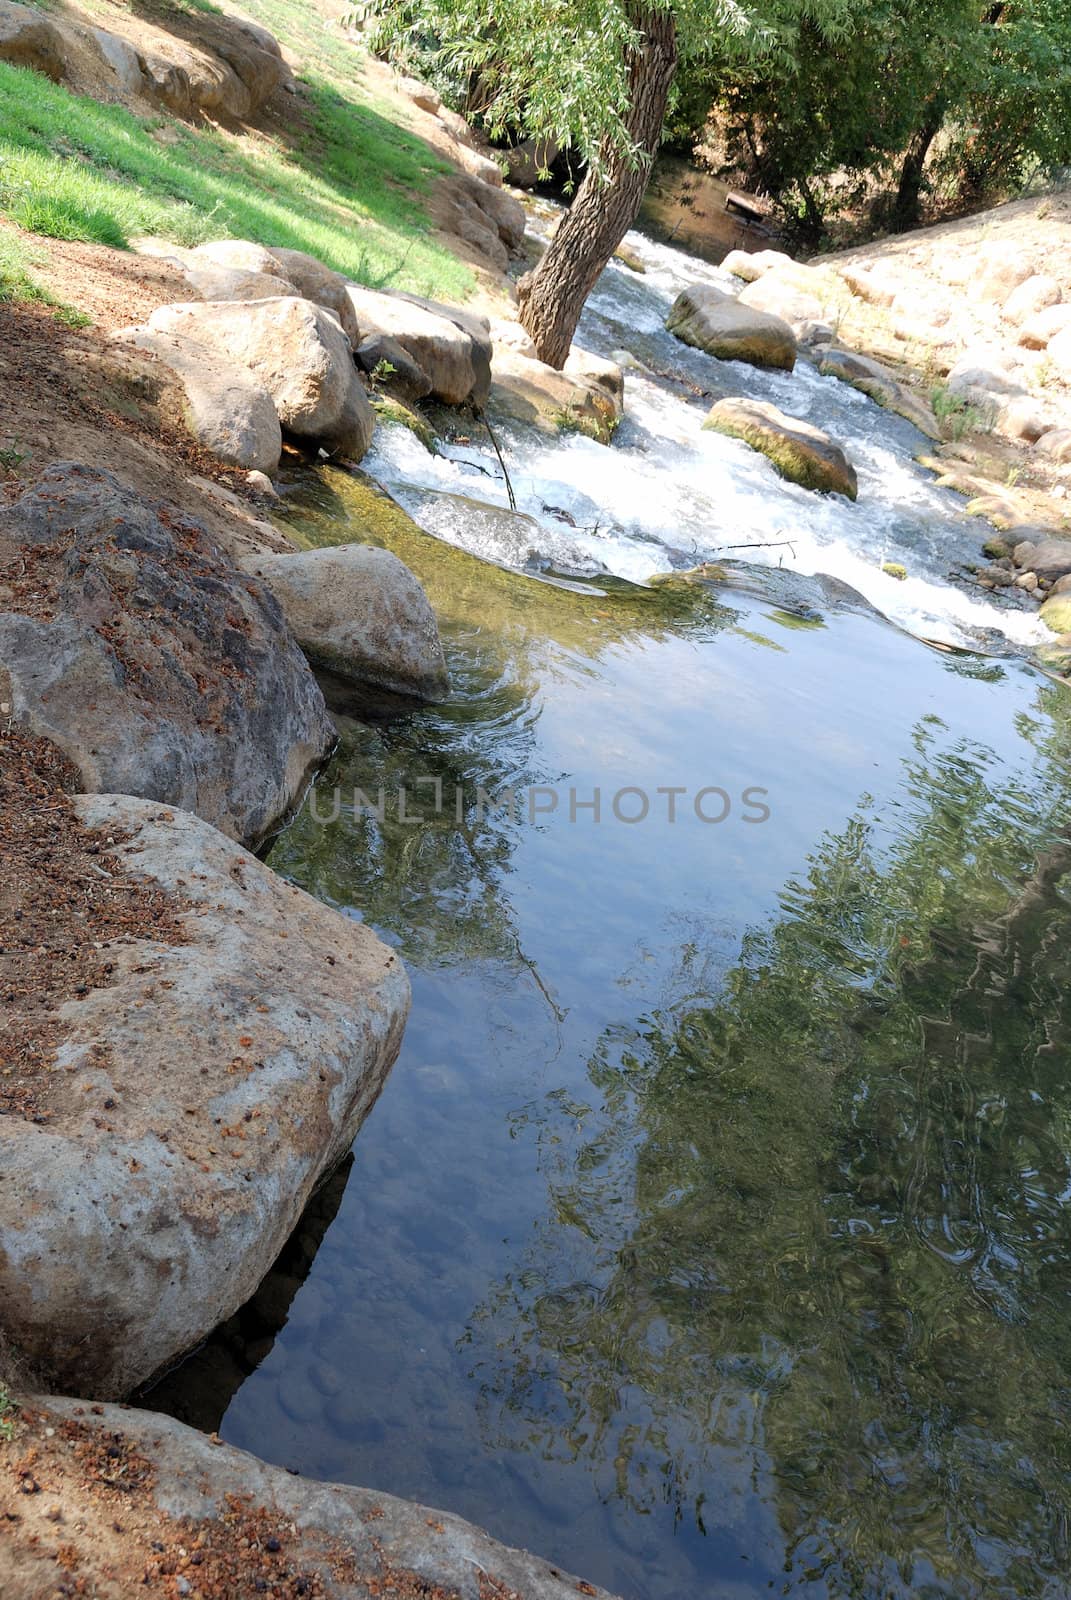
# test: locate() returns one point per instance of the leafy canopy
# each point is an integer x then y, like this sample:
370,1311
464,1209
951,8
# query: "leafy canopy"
558,70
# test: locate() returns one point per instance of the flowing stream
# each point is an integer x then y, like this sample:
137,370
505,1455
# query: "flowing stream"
712,1235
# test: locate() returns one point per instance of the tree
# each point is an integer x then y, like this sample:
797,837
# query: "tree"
596,75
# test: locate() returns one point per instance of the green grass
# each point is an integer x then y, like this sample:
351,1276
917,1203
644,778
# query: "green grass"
17,281
351,193
8,1409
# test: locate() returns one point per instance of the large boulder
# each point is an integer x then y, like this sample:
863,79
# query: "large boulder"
800,452
294,349
1056,444
316,282
876,381
1000,269
504,211
218,1063
982,376
869,282
226,410
201,1518
359,611
587,395
229,283
30,39
796,294
132,643
1039,330
1047,555
712,321
1033,295
525,161
751,265
235,255
452,347
392,368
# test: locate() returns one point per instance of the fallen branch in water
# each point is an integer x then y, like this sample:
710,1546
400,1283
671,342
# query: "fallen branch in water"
491,435
761,544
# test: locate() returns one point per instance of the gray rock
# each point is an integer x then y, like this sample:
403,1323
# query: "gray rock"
705,317
226,410
408,380
1056,444
336,1528
1049,557
149,659
30,39
872,379
360,612
131,1231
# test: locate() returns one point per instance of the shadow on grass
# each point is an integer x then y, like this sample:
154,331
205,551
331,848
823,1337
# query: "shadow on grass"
349,189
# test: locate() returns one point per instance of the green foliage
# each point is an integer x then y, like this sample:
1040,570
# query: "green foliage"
8,1409
352,194
559,70
956,415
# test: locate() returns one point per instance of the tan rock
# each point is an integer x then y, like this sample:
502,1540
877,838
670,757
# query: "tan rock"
800,452
587,394
1056,444
318,283
294,349
752,264
452,347
1000,269
28,38
227,411
1037,331
1035,294
716,322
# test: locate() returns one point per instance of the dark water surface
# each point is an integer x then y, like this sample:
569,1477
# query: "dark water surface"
712,1236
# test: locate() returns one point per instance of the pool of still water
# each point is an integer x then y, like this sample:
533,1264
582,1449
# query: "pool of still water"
712,1235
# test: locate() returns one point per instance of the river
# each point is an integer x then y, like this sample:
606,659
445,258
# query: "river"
712,1236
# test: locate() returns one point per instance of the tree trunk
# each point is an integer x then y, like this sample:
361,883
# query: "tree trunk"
607,202
906,207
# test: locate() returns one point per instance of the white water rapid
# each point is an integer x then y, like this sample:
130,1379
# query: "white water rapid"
667,495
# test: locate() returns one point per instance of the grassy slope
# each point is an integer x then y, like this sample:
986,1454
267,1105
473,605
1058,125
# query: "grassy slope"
349,189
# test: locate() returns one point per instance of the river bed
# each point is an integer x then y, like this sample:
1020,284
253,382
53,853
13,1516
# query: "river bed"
712,1234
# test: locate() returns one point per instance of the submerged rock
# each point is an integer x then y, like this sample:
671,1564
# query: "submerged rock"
183,1137
712,321
130,641
288,1534
297,351
876,381
225,408
800,452
359,611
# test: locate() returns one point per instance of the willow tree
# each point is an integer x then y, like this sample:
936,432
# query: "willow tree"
597,76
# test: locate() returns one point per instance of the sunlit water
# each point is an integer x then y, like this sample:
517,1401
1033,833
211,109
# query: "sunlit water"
712,1234
668,495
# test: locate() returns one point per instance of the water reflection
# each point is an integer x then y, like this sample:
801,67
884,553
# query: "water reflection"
711,1234
821,1222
